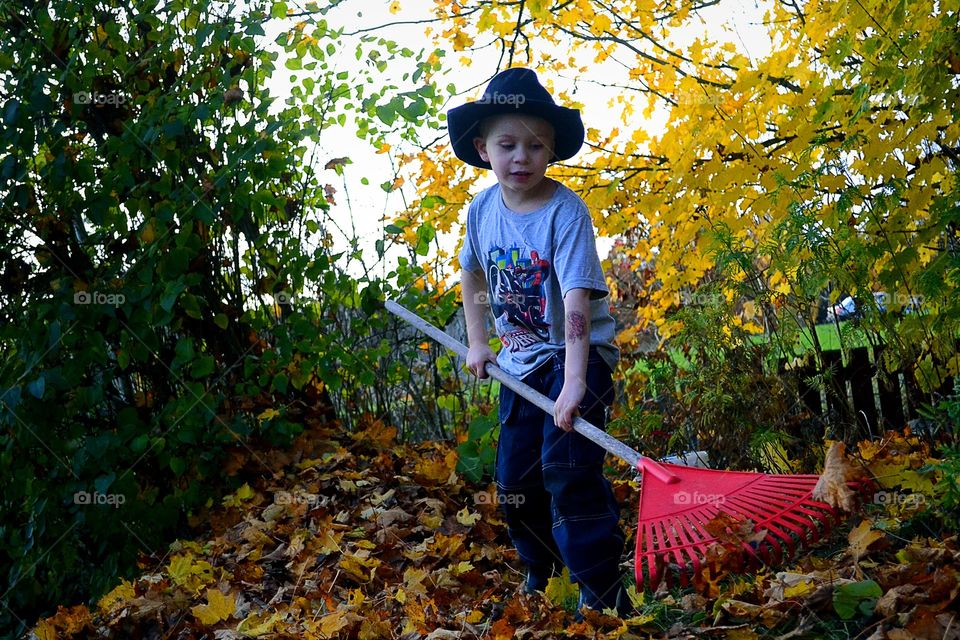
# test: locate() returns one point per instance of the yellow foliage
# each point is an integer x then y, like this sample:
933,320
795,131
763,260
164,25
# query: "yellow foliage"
744,137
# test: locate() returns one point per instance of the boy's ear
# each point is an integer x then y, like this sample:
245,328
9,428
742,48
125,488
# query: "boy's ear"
480,144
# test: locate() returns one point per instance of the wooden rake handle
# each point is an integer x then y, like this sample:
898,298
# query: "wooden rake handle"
581,426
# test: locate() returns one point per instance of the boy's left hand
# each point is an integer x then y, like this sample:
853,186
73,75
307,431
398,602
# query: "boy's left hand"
567,404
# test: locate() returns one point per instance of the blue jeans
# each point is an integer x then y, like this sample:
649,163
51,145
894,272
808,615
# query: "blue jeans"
559,508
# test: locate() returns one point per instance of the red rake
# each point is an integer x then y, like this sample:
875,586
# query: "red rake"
677,503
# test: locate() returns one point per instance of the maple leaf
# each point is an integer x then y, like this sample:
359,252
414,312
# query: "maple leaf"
116,597
740,610
832,486
436,470
219,607
862,538
238,497
190,573
466,518
258,624
358,564
787,586
332,623
561,592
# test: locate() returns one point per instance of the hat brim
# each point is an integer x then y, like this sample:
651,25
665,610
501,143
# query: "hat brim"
463,122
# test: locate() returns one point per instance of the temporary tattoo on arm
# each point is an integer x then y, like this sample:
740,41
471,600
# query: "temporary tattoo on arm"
576,326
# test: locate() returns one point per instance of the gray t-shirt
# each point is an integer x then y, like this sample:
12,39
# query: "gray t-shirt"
530,261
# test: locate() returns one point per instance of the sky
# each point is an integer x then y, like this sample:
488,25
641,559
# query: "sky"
737,21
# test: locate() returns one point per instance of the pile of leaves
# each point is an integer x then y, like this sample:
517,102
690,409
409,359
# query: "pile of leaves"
361,537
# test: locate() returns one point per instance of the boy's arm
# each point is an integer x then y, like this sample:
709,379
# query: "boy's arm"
576,306
473,285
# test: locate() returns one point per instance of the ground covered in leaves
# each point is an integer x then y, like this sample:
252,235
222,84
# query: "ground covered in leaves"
358,536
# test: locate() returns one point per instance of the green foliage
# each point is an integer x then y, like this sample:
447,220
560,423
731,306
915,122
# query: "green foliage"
855,598
168,274
477,455
713,389
944,426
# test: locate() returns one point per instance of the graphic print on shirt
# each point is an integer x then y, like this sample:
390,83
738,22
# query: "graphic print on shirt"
518,296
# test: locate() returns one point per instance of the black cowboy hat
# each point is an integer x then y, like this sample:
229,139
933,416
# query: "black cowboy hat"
516,91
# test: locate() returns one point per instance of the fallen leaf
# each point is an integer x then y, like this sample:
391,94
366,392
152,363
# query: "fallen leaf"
560,591
219,607
862,537
116,597
258,624
900,599
832,486
466,518
332,623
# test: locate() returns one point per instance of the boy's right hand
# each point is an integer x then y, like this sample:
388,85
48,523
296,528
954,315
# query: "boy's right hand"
477,358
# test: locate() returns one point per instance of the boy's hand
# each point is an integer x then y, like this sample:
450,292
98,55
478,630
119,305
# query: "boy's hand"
567,404
477,358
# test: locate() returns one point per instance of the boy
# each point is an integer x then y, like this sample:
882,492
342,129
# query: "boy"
529,245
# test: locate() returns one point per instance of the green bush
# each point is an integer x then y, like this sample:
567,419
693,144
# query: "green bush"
170,292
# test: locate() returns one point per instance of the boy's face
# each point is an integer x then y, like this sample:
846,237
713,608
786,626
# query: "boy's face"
519,148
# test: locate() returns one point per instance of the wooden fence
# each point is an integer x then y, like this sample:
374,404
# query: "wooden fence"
877,399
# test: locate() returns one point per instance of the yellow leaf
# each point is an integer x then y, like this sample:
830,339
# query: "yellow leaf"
268,414
120,594
474,617
219,607
236,498
862,537
466,518
437,470
179,568
358,566
355,598
560,591
331,623
45,631
799,590
258,624
187,572
413,581
394,7
636,597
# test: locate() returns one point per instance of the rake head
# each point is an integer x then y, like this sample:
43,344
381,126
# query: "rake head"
673,517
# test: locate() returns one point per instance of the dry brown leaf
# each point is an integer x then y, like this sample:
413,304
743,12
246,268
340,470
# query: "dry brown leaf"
832,486
740,610
900,599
